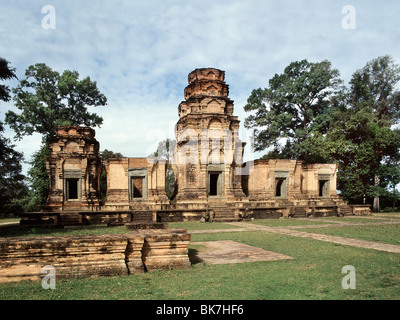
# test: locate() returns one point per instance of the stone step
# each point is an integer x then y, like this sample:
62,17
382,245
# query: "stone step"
225,215
346,210
228,219
300,212
70,219
142,216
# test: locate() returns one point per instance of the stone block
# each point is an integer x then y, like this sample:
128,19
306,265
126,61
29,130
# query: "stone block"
133,254
71,256
165,249
95,255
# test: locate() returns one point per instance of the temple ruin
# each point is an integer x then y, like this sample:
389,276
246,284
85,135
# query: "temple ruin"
212,181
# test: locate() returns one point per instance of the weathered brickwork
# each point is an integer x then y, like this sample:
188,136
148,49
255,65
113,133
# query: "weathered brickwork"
74,168
95,255
211,180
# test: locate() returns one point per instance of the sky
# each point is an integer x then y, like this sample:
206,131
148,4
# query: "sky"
141,52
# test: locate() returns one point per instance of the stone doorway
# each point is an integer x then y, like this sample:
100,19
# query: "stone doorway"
281,187
323,188
72,187
137,187
215,184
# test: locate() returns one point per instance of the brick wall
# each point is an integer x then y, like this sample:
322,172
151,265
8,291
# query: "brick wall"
95,255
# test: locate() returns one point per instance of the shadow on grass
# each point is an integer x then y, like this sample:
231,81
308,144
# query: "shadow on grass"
193,256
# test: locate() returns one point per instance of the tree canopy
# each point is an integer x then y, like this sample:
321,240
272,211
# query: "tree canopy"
307,113
48,99
6,73
105,155
163,152
290,106
12,186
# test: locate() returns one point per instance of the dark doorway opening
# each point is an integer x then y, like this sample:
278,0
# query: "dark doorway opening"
214,177
72,189
323,188
137,184
278,188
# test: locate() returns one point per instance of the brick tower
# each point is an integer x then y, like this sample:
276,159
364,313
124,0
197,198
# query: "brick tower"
74,168
209,153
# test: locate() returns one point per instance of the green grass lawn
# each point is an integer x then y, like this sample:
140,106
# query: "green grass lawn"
389,234
201,225
8,220
289,222
102,229
314,273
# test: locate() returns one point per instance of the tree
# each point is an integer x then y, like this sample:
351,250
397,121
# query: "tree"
353,127
389,174
373,88
6,73
293,102
105,155
12,186
38,179
359,144
46,100
163,152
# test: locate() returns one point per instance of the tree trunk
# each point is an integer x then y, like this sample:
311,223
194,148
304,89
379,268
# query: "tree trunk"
375,207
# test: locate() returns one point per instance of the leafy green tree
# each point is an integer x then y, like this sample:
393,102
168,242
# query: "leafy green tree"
389,174
374,89
163,152
6,73
12,185
105,155
352,127
290,106
47,99
374,86
38,179
359,144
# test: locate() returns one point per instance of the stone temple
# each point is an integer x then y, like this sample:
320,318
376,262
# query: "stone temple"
211,180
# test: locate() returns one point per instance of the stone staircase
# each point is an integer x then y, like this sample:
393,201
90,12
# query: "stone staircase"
346,211
142,216
299,212
222,213
70,219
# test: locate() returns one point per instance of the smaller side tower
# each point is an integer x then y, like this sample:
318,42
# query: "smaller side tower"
74,168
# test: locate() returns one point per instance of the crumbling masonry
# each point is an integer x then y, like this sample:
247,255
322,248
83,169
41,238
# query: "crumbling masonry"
212,182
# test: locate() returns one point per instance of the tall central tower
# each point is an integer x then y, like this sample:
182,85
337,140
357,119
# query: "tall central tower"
209,153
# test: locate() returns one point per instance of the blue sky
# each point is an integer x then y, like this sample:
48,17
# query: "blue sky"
140,52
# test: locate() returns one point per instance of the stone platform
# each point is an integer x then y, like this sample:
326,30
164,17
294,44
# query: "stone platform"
138,251
228,251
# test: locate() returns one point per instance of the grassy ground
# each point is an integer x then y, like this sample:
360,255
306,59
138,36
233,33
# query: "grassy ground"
8,220
314,273
289,222
102,229
389,234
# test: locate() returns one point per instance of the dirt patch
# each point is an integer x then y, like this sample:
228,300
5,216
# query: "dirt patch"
228,251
